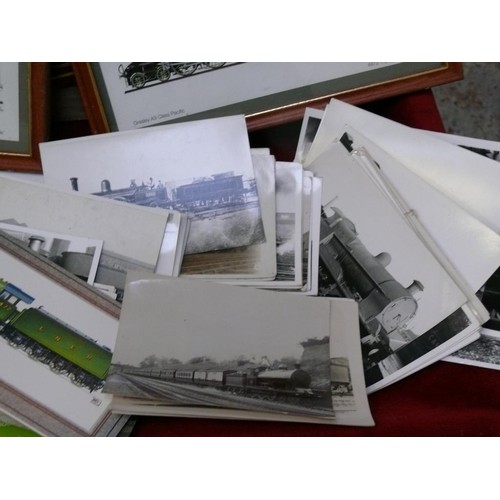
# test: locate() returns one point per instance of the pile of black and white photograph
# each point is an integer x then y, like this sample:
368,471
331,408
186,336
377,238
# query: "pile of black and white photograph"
183,273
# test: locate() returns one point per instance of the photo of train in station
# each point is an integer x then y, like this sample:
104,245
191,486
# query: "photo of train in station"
50,341
274,385
223,208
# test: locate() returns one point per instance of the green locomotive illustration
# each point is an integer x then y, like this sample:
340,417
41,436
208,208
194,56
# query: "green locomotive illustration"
49,340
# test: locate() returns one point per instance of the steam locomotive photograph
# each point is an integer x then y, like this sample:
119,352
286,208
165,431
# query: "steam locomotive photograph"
257,355
239,383
48,340
223,208
137,75
386,307
348,269
370,252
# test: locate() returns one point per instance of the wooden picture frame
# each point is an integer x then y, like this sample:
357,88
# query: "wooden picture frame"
356,83
20,152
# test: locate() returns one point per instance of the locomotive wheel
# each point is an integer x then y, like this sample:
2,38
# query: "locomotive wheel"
186,69
214,65
138,80
270,396
162,73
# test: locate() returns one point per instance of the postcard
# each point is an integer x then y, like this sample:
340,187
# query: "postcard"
252,263
440,164
310,125
484,147
347,385
79,256
311,219
55,347
469,227
289,193
202,168
483,352
369,252
173,244
222,345
455,233
132,235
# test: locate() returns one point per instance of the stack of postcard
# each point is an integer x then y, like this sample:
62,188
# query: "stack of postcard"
254,222
253,219
423,213
216,281
63,266
219,351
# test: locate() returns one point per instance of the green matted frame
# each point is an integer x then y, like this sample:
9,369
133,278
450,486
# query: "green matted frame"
23,155
288,105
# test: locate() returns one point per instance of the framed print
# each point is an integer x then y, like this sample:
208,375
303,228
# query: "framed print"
23,114
123,96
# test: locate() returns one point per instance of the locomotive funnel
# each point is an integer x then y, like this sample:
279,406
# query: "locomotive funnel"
415,287
105,186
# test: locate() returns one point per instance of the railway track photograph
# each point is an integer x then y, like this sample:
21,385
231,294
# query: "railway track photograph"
218,345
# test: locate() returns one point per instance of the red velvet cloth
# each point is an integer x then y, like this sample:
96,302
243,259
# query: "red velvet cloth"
444,399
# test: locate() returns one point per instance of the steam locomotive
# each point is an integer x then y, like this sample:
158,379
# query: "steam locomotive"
220,190
137,74
48,340
260,382
350,270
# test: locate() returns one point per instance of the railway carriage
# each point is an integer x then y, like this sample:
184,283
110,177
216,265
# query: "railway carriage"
263,383
184,375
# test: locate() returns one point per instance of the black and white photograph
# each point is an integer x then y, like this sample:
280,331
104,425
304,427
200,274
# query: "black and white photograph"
55,346
369,252
51,209
80,256
440,164
483,352
467,225
489,293
483,147
223,346
289,181
311,224
213,182
457,234
254,262
310,125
